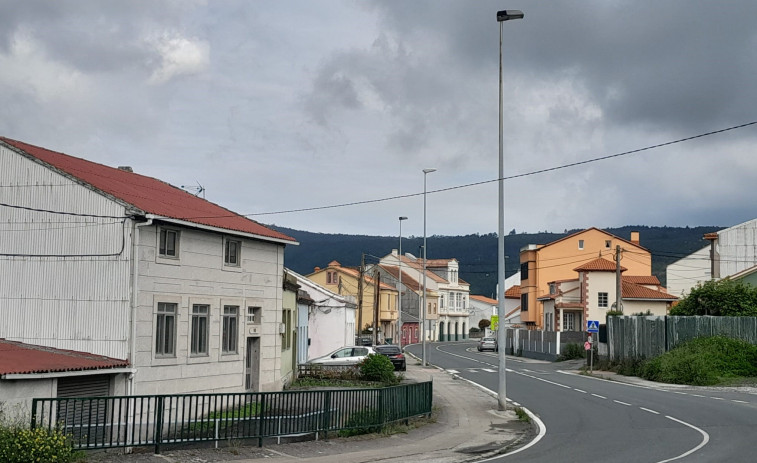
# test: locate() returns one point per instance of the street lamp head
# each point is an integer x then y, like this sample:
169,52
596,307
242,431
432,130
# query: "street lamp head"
506,15
428,171
403,218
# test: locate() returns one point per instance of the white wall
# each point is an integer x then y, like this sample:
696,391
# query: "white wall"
202,278
78,302
684,274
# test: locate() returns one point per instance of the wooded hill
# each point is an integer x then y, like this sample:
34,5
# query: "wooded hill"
477,254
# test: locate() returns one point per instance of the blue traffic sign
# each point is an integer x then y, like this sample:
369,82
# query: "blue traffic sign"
592,326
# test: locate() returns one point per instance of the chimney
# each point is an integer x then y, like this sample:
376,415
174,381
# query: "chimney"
316,269
126,168
635,237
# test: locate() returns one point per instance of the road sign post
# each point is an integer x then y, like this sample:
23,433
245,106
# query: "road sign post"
592,326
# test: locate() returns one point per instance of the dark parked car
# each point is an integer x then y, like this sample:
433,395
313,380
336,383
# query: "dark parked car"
488,344
395,355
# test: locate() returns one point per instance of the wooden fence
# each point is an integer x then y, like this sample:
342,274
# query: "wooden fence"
640,337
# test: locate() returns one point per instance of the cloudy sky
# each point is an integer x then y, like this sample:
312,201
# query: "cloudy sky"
290,105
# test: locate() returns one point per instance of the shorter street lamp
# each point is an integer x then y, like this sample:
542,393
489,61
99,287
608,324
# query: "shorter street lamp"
399,288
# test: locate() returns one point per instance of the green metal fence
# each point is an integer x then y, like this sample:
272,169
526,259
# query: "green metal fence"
144,420
640,337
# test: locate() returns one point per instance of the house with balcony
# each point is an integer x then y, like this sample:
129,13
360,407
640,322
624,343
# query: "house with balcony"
108,262
373,304
542,264
571,302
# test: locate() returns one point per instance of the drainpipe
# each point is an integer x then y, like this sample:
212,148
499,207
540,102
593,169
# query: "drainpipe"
134,295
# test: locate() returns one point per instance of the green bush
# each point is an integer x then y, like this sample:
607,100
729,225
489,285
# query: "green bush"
21,445
362,422
572,351
719,298
377,367
704,362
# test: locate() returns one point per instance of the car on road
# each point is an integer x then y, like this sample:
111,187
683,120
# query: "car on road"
348,355
488,344
395,355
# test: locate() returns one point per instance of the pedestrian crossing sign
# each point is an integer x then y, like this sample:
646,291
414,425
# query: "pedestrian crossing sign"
592,326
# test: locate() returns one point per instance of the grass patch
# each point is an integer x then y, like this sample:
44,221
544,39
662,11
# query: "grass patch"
522,415
704,362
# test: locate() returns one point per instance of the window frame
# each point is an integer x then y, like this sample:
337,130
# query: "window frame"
230,329
163,233
199,331
227,241
600,296
161,317
252,311
580,245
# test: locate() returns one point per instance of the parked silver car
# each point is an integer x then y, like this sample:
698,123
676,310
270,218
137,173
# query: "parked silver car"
488,344
348,355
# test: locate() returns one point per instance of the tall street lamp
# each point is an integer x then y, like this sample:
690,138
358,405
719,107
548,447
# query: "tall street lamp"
425,291
399,287
502,16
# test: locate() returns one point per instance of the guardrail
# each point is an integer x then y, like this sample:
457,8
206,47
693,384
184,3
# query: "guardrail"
145,420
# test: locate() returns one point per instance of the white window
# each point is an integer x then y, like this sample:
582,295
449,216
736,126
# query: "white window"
169,243
608,244
332,278
568,321
231,253
199,341
253,315
602,299
165,330
230,332
580,244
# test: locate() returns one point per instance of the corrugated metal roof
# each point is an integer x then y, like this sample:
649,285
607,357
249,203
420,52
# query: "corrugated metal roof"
148,194
21,358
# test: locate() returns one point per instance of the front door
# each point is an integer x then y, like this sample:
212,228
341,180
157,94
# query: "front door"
252,364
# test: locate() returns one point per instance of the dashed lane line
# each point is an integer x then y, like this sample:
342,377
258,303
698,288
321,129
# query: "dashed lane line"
621,403
600,396
650,410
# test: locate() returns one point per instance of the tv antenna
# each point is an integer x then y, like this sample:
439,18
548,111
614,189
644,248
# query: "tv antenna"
199,189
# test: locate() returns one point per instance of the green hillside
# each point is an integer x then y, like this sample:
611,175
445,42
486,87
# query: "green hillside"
477,253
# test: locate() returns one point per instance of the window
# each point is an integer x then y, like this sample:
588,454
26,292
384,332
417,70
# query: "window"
165,330
580,244
230,332
568,321
169,243
608,244
428,310
524,302
552,288
441,301
253,315
286,320
524,271
199,339
434,308
332,278
602,299
231,252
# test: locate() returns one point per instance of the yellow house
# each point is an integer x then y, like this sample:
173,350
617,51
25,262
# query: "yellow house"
557,261
344,281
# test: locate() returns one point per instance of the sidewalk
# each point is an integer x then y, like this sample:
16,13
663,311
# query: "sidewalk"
465,426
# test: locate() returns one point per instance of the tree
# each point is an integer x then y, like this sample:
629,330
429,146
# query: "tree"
725,298
484,323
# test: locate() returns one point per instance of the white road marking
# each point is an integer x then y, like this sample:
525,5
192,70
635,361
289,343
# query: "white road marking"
649,410
717,398
489,370
454,372
705,439
739,401
697,395
600,396
621,403
579,390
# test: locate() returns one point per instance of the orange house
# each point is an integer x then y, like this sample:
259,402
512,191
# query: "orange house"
541,264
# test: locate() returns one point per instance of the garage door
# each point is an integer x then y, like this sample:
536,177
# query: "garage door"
82,416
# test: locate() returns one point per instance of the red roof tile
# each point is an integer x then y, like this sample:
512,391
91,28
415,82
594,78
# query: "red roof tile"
148,194
513,292
484,299
642,280
599,264
634,291
21,358
407,280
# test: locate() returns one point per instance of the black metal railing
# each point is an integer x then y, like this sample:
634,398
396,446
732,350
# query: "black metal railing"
143,420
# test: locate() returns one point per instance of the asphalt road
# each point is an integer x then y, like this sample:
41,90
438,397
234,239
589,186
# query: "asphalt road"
589,419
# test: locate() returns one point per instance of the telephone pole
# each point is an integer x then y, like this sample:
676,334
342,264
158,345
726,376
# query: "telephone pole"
618,283
376,303
360,298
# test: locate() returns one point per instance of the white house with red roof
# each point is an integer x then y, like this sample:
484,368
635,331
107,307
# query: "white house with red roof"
570,303
109,262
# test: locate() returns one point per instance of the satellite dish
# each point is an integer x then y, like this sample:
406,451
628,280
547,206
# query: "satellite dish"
612,307
196,189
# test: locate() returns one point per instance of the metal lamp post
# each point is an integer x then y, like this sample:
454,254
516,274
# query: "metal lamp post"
425,291
399,288
502,16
